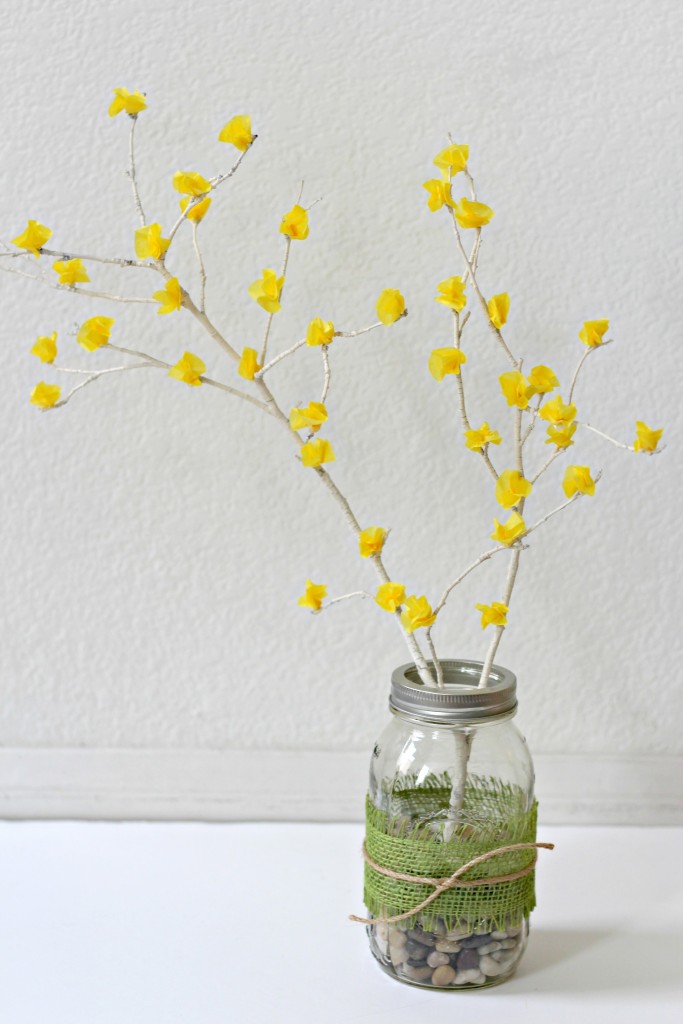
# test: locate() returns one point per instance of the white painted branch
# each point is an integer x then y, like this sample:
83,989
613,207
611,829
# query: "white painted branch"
202,269
606,437
42,279
132,172
327,373
269,321
582,360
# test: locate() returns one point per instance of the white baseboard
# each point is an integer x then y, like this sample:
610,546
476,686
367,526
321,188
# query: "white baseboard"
201,785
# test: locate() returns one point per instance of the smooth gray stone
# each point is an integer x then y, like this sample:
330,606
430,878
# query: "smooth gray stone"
468,959
438,959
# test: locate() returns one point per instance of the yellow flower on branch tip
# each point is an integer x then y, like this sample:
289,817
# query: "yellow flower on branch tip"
452,159
33,237
371,541
472,215
499,307
131,102
198,211
149,244
249,365
516,388
266,291
313,596
391,306
390,596
443,361
70,271
593,331
94,333
315,453
190,183
543,380
476,439
452,293
578,479
511,487
45,396
189,370
45,348
439,194
170,297
507,533
647,439
557,412
494,614
417,614
238,132
561,436
295,224
319,332
308,417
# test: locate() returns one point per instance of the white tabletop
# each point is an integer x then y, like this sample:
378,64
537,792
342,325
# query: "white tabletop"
247,924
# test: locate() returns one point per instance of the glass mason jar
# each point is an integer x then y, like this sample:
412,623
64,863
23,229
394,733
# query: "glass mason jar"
451,779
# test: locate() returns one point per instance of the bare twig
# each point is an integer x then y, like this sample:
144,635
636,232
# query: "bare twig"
132,172
327,373
202,269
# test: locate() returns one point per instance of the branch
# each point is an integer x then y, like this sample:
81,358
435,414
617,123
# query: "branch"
345,597
42,279
202,269
606,437
63,255
327,373
460,384
582,360
269,321
300,344
132,174
214,182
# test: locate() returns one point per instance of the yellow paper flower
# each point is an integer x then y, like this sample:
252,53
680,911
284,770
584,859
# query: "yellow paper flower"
315,453
189,370
371,541
543,380
198,211
45,396
561,436
319,332
646,438
295,224
494,614
94,333
452,293
266,291
439,194
391,306
190,183
499,307
593,331
149,244
238,132
445,360
516,388
511,487
556,412
476,439
131,102
46,348
390,596
308,417
578,478
313,596
417,614
507,533
249,365
33,237
472,215
70,271
170,297
452,159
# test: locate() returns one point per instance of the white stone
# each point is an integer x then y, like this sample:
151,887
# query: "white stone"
490,947
490,967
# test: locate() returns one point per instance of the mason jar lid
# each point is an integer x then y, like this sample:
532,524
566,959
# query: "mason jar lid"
461,700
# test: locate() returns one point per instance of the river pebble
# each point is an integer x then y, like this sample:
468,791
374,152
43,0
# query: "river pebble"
443,976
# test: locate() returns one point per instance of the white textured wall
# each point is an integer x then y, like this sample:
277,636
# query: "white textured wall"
155,538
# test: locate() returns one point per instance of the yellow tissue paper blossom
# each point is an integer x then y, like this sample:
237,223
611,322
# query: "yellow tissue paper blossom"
314,453
561,436
149,244
70,271
391,306
295,224
94,333
189,370
439,194
516,388
170,297
507,533
190,183
452,159
198,211
308,417
557,412
647,439
593,331
390,596
319,332
417,614
476,439
499,307
472,215
511,487
33,238
313,596
238,132
494,614
45,396
543,380
371,541
249,365
452,293
131,102
46,348
267,290
578,478
445,360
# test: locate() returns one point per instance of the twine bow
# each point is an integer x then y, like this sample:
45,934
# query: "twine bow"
442,884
